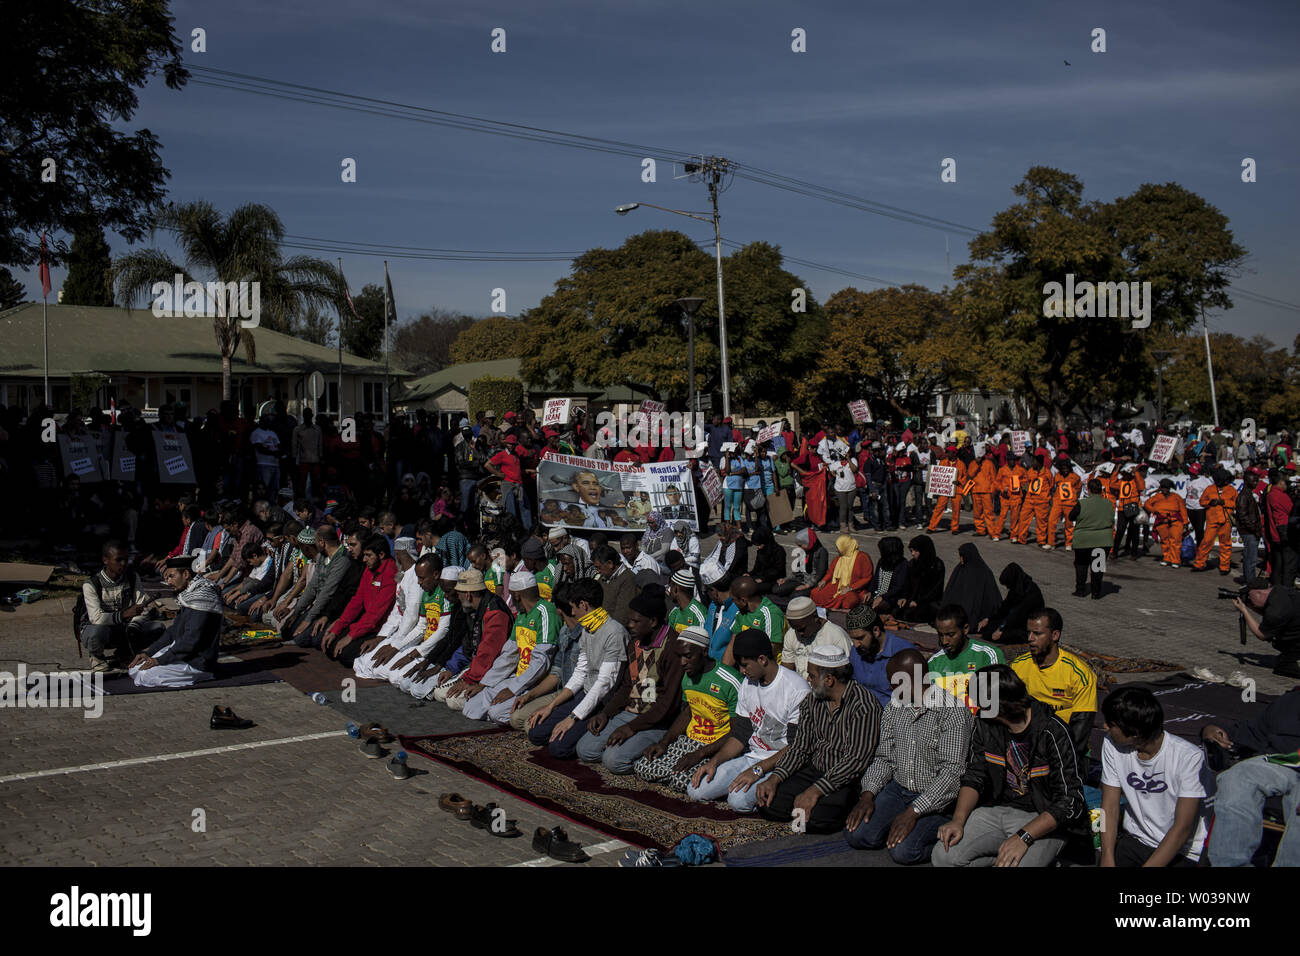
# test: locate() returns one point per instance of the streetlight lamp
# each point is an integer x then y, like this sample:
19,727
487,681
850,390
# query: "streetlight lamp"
626,208
689,307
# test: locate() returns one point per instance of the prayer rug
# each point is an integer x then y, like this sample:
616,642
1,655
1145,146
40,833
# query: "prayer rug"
302,668
623,807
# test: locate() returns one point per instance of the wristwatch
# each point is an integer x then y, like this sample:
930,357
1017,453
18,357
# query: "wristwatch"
1026,836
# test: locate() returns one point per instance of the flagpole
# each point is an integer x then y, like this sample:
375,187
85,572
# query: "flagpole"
388,285
45,316
345,285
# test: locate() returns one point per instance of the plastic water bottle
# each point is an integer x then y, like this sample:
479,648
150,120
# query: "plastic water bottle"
319,698
354,731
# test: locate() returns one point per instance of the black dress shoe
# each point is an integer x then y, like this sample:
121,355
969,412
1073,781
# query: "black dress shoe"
227,719
556,844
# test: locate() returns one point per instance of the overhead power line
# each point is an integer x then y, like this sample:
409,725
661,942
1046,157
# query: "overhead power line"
335,99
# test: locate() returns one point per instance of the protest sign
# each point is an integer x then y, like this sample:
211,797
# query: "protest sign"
711,482
1019,442
175,462
556,412
860,411
1163,449
80,456
942,480
578,492
768,433
121,460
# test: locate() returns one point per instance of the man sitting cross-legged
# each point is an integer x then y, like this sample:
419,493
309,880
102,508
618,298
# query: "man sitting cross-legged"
186,653
355,631
709,692
1021,785
909,789
530,649
767,715
815,783
646,699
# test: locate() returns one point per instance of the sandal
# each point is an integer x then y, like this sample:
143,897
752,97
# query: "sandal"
453,803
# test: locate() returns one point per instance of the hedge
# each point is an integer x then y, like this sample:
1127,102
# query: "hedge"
498,395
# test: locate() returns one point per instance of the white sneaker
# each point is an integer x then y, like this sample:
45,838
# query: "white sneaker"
1207,675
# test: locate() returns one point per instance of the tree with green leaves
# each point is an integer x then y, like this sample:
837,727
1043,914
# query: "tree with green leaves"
90,268
614,321
363,333
242,247
1161,234
11,290
895,347
487,339
423,345
74,68
1253,378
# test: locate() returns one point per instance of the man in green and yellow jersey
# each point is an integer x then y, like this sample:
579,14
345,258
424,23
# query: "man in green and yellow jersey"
709,694
959,655
758,612
533,553
687,609
535,636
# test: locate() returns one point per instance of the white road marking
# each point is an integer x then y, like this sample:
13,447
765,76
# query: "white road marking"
135,761
609,846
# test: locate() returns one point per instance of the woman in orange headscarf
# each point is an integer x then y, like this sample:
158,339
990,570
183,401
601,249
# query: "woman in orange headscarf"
846,581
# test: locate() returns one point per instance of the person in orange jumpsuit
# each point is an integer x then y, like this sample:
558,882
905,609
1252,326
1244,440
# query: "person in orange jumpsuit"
1105,473
945,501
1219,501
1128,487
1037,503
1010,486
1168,519
983,480
1065,495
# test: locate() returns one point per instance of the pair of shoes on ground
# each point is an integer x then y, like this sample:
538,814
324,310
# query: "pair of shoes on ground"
1235,679
370,747
223,718
488,817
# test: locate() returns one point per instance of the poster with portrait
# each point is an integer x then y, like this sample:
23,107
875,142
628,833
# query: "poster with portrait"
587,493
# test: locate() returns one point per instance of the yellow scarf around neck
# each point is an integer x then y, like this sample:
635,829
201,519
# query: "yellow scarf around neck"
594,621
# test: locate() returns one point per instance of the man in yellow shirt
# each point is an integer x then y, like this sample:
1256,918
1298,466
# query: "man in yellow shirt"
1059,678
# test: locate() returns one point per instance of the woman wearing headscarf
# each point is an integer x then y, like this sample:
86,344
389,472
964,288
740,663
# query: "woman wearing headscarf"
925,571
657,538
687,543
889,582
1011,620
973,586
845,583
808,561
769,561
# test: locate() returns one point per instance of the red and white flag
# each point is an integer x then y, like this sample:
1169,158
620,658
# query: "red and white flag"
45,270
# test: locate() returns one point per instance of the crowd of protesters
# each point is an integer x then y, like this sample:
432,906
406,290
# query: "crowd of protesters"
737,674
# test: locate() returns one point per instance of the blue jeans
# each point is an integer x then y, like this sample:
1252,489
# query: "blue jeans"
872,833
516,502
1239,808
1249,556
566,747
875,511
742,801
732,507
468,494
591,748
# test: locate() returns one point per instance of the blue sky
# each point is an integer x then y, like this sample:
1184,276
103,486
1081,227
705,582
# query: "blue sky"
882,95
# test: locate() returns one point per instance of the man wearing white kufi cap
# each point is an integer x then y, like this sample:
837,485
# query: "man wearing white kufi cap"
417,670
407,624
531,646
815,783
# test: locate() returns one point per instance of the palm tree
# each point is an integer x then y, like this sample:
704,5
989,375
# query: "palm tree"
243,247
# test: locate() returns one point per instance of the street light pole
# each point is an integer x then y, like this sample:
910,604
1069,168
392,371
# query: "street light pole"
722,313
689,307
1209,362
1160,355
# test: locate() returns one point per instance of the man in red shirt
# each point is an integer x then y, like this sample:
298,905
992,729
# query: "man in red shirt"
505,465
356,631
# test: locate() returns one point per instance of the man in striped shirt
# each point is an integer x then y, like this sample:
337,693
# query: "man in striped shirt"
909,789
815,783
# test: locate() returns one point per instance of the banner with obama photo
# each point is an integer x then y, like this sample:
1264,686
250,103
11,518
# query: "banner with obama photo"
588,493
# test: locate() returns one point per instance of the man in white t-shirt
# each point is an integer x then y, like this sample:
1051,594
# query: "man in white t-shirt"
767,711
1164,779
1196,486
266,447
